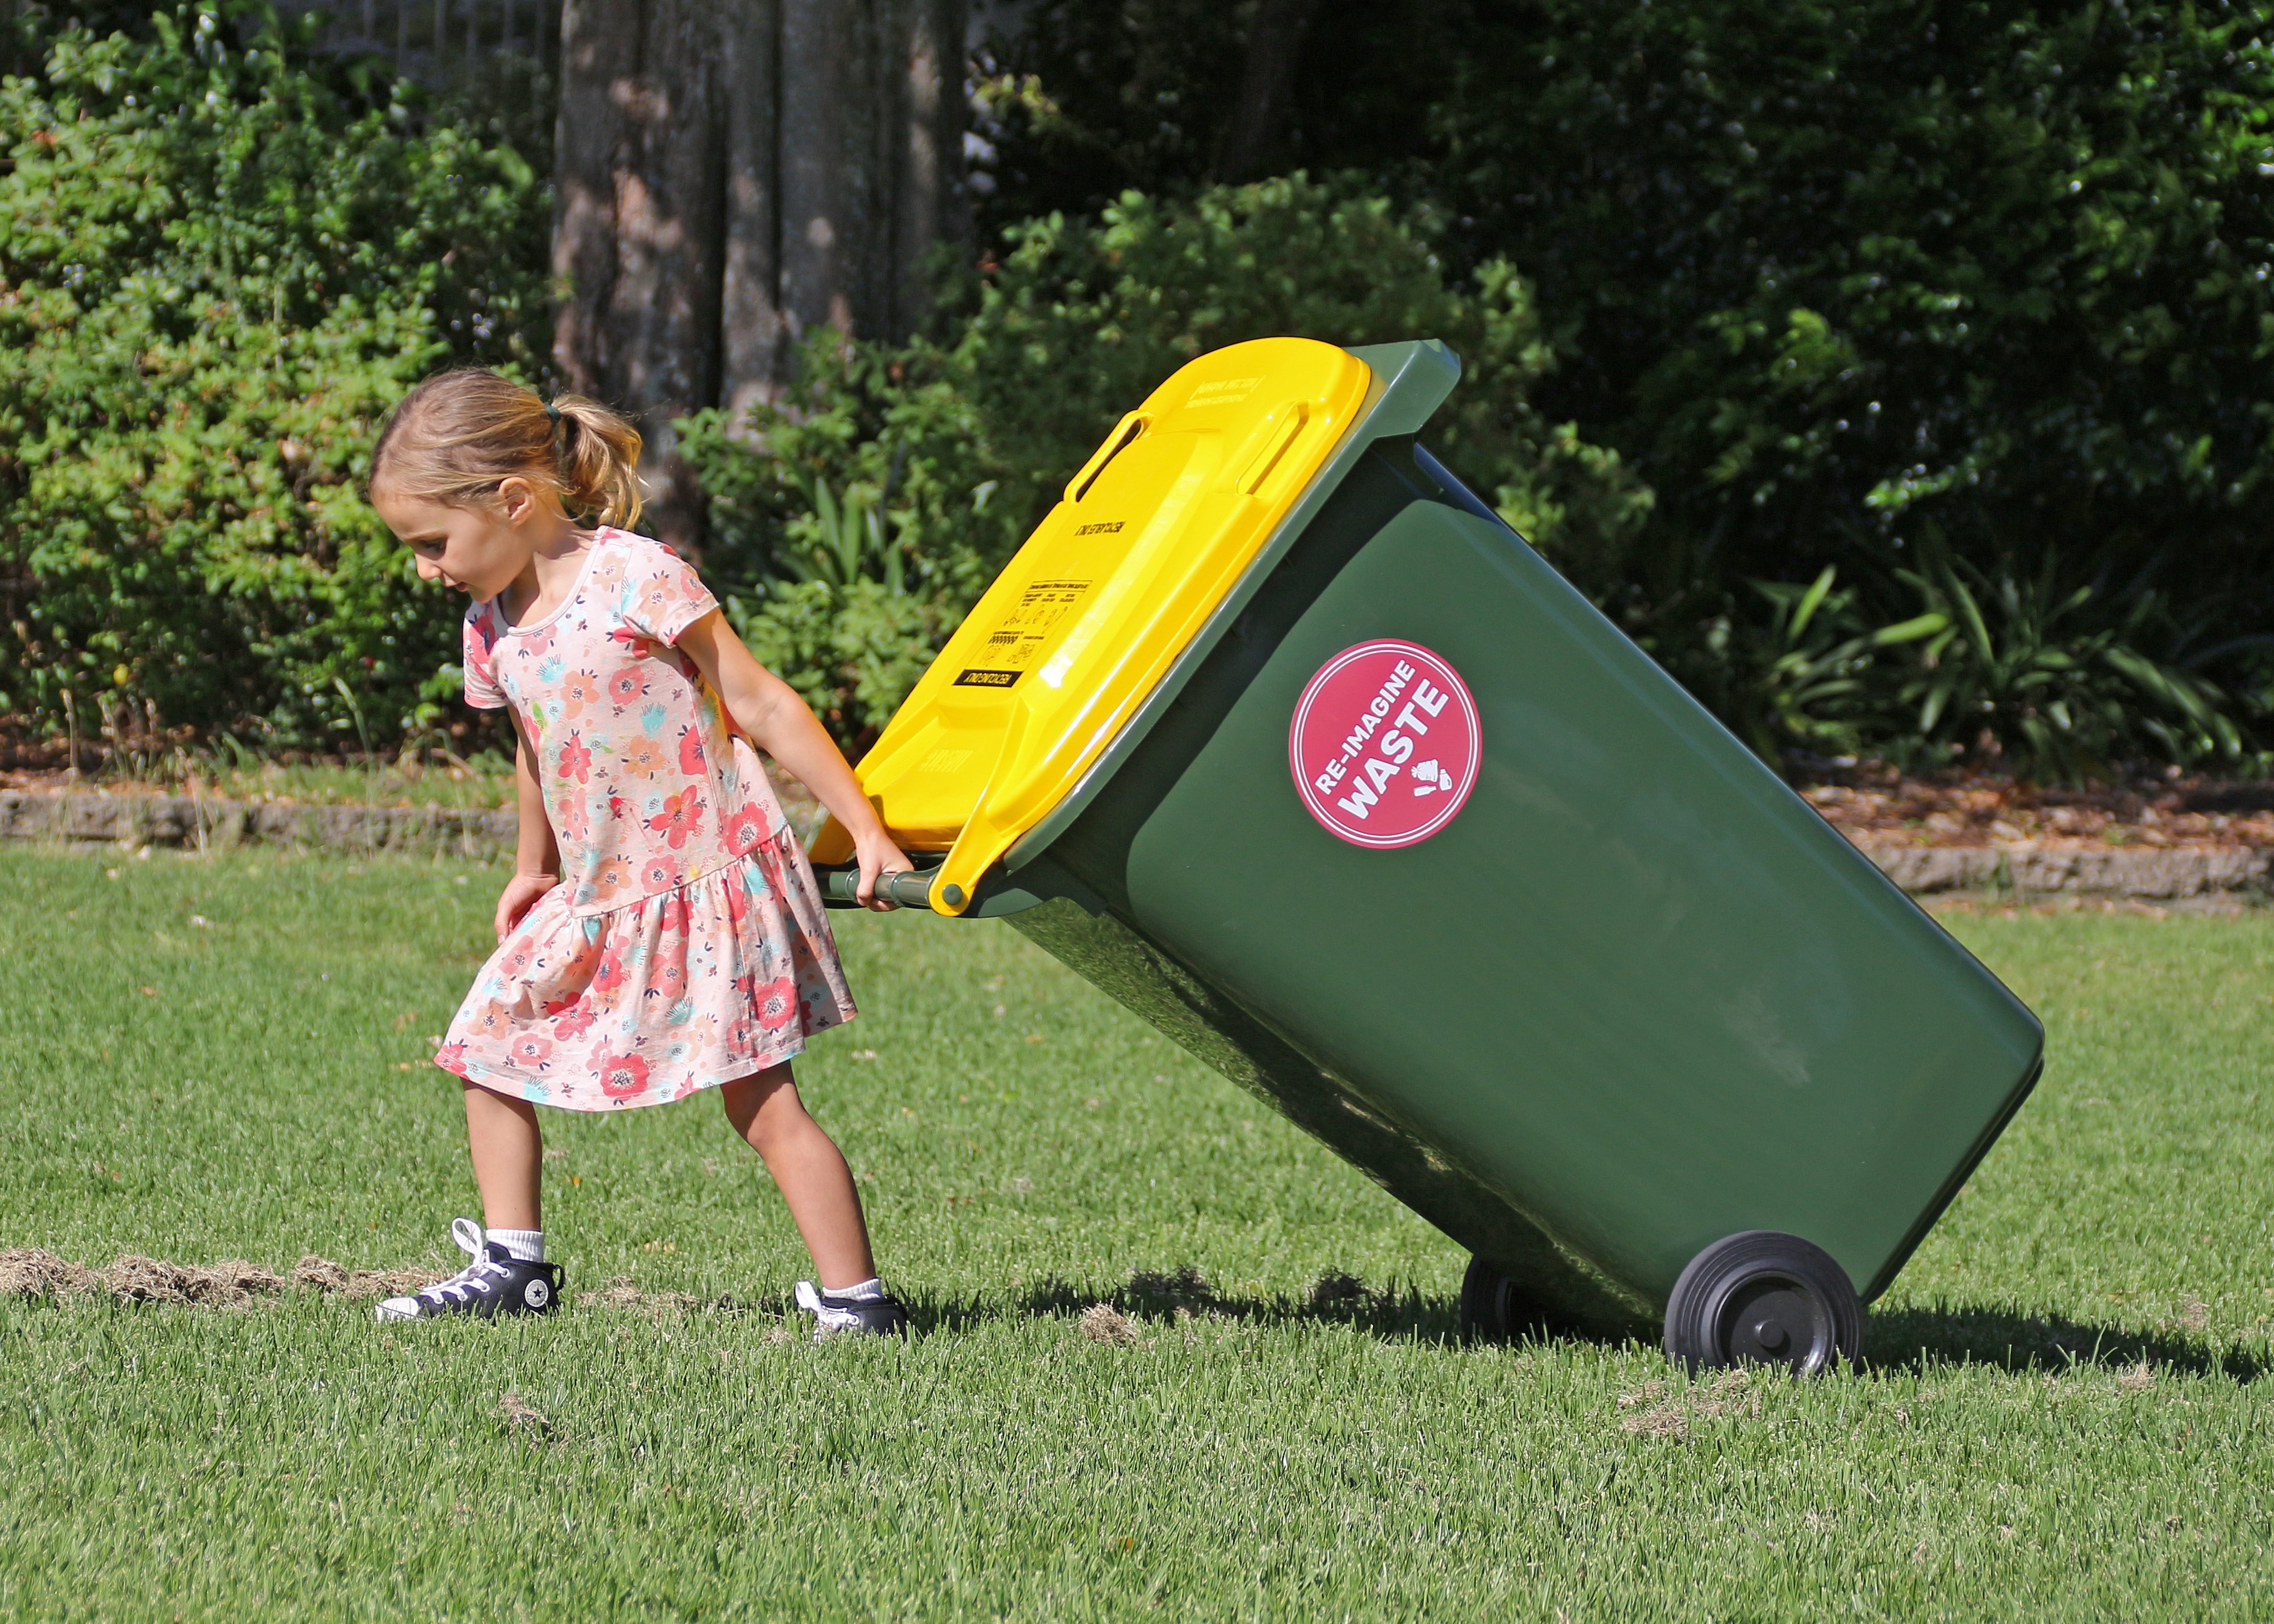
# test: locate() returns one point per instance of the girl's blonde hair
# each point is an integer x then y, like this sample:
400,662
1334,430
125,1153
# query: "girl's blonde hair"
459,435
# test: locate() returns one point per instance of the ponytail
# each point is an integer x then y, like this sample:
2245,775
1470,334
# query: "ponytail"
598,455
458,436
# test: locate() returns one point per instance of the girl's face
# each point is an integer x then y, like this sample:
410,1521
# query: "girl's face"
480,551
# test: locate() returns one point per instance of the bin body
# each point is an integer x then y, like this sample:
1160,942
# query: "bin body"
1632,996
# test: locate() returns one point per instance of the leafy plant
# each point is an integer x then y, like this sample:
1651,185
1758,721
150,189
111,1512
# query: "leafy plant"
954,446
843,628
217,270
2047,677
1810,676
2014,669
851,651
840,543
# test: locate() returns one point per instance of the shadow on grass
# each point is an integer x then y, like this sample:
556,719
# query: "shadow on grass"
1897,1339
1917,1339
1154,1298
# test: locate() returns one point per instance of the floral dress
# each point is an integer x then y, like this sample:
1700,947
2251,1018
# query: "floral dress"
685,945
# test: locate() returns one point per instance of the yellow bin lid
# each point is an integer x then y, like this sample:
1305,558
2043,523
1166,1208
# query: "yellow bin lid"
1152,532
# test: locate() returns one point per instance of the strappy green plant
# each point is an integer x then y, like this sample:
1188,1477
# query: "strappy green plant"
1813,666
840,540
2049,676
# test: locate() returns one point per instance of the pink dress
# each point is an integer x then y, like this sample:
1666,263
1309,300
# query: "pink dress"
685,945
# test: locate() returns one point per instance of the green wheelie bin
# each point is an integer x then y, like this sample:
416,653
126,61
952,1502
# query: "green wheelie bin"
1282,738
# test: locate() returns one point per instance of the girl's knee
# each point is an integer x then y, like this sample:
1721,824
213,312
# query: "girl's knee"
753,1104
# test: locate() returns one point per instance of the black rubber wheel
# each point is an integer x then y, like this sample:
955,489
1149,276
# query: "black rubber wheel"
1764,1298
1497,1308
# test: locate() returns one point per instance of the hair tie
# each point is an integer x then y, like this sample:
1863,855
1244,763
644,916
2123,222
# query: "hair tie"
553,412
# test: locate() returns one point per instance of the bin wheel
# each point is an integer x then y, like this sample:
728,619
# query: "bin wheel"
1497,1308
1764,1298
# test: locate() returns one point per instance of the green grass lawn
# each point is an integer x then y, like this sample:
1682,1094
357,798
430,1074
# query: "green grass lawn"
2066,1413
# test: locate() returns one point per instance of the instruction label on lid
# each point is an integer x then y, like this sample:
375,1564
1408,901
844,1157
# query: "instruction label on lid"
1385,744
1018,638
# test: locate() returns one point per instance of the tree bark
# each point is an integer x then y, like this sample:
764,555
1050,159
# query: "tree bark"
753,347
639,223
871,159
731,175
1255,142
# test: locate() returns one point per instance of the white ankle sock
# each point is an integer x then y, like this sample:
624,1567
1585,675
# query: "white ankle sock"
870,1290
526,1244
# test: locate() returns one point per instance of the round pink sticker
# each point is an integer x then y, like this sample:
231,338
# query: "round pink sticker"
1385,744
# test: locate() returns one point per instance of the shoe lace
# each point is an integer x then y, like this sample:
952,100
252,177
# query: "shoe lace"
484,1269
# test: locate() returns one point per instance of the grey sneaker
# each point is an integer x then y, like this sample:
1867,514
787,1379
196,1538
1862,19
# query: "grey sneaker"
495,1283
881,1315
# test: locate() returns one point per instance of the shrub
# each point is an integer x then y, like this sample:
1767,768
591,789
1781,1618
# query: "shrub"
1864,271
2006,667
959,443
1844,280
217,272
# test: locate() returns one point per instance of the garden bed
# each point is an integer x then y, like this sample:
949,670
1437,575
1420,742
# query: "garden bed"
2178,841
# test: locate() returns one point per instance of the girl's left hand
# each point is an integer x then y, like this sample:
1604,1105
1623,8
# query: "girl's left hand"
877,855
520,895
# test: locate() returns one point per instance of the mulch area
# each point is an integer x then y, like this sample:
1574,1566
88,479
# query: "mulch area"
1876,808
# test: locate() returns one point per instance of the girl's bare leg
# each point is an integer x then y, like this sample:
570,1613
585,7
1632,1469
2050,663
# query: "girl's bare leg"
810,1169
508,1154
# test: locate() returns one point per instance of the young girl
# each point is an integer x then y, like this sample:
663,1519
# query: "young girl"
661,933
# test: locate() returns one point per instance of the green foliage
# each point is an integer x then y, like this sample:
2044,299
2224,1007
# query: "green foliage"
2048,677
1861,271
955,446
1837,279
217,272
838,544
852,650
1814,675
1998,667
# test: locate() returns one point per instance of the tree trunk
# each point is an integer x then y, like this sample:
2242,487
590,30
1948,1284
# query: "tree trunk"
639,218
871,159
1255,141
731,175
753,350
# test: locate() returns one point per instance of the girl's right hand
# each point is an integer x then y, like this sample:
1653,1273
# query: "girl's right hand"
519,896
877,856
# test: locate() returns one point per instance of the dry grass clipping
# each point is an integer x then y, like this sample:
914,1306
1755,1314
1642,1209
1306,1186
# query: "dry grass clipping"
621,1293
520,1417
1657,1413
1102,1323
28,1272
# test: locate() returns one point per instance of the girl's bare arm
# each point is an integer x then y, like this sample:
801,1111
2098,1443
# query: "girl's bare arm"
537,856
773,718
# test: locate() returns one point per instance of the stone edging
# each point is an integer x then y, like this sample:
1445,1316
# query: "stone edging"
2168,874
185,821
197,823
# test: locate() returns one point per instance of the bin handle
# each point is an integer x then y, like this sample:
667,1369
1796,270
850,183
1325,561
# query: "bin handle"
1124,432
908,888
1276,442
